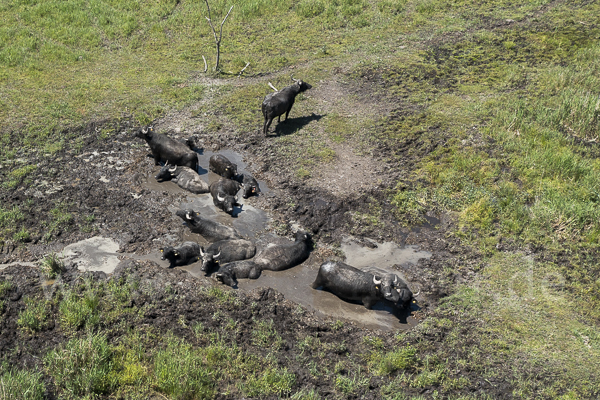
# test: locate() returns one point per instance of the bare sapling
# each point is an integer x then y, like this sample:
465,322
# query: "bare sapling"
217,39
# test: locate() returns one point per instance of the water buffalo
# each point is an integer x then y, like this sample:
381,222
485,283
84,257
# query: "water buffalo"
280,257
210,230
272,258
353,284
167,149
249,186
221,165
225,251
185,254
223,193
185,177
229,273
277,103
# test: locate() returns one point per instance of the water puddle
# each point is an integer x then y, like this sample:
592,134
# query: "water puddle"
100,254
249,221
295,284
93,254
26,264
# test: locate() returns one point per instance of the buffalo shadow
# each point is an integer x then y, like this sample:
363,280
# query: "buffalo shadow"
292,125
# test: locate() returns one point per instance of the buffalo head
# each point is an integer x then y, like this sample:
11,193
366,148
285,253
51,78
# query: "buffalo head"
166,173
208,259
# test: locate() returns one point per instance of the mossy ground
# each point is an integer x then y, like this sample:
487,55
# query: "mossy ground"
486,112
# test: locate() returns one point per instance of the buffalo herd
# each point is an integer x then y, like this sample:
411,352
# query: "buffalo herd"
230,256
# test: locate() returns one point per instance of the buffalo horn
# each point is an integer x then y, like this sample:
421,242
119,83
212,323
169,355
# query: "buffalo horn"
219,198
295,80
144,131
375,281
218,254
201,252
174,169
188,216
395,280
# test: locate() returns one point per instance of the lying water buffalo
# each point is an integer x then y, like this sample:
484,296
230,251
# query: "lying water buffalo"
225,251
273,258
277,103
185,177
185,254
221,165
167,149
210,230
229,273
280,257
223,193
249,186
353,284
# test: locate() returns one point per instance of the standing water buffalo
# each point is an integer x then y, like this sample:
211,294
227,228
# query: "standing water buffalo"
352,284
185,254
167,149
221,165
185,177
249,186
210,230
277,103
226,251
273,258
224,193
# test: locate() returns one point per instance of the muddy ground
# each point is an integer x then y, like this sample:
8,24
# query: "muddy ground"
103,187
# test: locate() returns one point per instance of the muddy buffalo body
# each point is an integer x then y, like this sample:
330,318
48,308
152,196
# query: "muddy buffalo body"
249,186
187,253
352,284
280,102
169,150
272,258
226,251
185,177
221,165
210,230
224,193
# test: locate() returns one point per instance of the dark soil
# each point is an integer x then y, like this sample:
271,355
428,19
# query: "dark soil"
105,180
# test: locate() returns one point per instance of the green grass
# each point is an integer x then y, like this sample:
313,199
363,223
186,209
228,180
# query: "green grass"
82,366
21,385
35,315
78,311
51,265
490,110
181,372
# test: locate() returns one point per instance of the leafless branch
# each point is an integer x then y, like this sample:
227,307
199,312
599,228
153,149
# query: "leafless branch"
217,39
242,71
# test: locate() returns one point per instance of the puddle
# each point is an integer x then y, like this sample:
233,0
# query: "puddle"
204,172
295,284
100,254
249,221
235,158
26,264
93,254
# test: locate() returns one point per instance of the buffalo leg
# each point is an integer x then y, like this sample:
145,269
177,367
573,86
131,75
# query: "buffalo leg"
368,302
156,158
288,111
317,283
255,273
267,125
